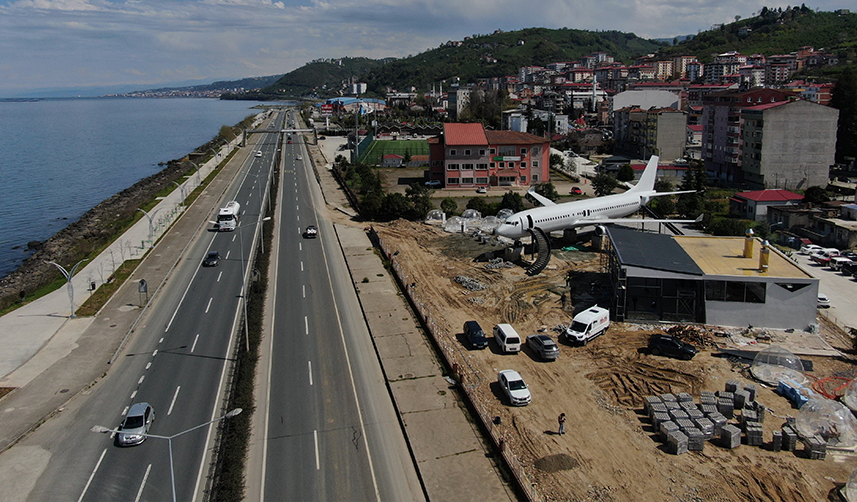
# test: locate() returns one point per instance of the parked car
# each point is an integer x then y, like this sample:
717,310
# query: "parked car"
849,269
475,336
212,259
311,232
851,255
507,338
671,346
823,301
809,249
576,191
837,262
482,190
544,346
514,387
433,183
823,257
136,424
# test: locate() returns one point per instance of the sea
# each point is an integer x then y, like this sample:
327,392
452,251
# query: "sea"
59,158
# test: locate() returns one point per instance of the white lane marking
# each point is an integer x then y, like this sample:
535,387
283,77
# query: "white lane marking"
194,342
161,340
302,266
309,365
227,255
141,379
155,353
148,365
89,481
174,400
145,477
125,411
303,289
219,275
306,325
315,438
133,394
234,237
209,304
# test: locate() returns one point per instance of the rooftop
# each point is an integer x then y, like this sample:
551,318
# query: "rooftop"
725,256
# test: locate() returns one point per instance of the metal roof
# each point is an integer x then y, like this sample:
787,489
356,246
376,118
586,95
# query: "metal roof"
652,251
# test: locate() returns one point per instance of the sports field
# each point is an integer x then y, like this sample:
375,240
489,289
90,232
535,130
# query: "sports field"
379,148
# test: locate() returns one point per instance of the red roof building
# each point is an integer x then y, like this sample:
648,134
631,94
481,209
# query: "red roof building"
754,205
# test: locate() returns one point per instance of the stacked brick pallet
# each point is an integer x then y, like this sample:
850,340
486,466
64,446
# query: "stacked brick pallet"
685,426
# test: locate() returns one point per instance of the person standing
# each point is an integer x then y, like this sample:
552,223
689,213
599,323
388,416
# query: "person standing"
561,421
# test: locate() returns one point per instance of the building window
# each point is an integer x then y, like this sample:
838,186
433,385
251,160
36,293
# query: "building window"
482,180
535,178
511,165
452,167
482,166
501,165
482,153
467,166
491,165
452,181
508,151
535,150
735,291
523,165
523,152
523,179
453,153
492,151
467,153
535,163
466,181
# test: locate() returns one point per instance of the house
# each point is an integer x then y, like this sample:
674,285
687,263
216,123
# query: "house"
391,160
466,156
754,205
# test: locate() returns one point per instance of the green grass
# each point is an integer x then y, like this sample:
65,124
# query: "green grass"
377,149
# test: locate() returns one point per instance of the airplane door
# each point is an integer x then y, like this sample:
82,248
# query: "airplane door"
529,221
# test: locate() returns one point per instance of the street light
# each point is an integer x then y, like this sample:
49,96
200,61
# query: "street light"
69,276
181,189
103,430
150,217
198,180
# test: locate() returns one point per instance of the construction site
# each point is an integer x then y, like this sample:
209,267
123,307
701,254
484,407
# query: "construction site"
615,394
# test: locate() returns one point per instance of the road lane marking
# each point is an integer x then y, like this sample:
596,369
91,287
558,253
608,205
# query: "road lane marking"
209,304
148,365
161,340
125,411
133,394
227,255
145,477
219,275
309,364
233,238
194,342
302,266
174,400
141,379
315,438
303,288
88,482
155,353
306,325
300,246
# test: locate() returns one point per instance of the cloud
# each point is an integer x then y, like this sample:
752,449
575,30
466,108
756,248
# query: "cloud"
94,42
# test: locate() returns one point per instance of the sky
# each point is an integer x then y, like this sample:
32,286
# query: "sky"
142,44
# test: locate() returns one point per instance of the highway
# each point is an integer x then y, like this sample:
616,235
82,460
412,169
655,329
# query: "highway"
331,431
177,362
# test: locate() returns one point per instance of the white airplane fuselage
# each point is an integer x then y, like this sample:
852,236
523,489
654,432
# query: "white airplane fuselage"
580,213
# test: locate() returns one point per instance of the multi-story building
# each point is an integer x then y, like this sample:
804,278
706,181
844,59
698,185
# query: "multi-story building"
787,144
752,76
457,99
680,65
467,156
721,121
643,133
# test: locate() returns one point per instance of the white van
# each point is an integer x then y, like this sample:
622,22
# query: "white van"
587,325
507,338
836,262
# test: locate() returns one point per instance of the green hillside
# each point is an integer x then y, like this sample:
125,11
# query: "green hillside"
777,32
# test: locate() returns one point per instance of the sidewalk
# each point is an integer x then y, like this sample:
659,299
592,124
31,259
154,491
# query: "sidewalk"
48,358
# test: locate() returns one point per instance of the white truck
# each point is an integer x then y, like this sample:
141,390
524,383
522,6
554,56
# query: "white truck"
227,219
587,325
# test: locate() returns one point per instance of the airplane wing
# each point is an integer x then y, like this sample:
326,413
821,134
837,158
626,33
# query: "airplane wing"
585,222
661,194
543,200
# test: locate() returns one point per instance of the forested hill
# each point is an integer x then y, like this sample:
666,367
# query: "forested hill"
777,31
495,55
504,53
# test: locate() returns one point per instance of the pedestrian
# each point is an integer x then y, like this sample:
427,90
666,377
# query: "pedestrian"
561,421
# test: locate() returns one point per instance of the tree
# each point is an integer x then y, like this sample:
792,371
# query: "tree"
604,184
547,190
663,186
557,161
815,195
626,173
512,200
394,205
449,206
844,99
407,157
664,205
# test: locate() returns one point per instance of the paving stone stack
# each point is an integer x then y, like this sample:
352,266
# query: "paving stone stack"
742,398
648,401
733,385
678,414
725,405
815,447
748,416
789,438
695,439
777,443
658,418
684,397
730,436
666,428
753,432
677,443
719,422
705,426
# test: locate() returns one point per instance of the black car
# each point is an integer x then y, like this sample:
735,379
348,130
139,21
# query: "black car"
475,336
671,346
849,269
311,232
212,259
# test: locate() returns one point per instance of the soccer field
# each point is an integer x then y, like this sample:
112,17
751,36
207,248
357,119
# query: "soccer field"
378,149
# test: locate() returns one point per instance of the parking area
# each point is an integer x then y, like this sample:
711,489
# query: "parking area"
841,289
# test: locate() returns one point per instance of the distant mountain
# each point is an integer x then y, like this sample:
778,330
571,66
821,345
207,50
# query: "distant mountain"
495,55
777,31
214,88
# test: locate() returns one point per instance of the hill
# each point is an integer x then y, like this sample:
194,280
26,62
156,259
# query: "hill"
777,31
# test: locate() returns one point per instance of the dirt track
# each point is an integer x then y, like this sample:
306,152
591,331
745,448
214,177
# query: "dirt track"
609,451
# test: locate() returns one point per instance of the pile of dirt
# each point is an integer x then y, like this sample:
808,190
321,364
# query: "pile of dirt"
610,452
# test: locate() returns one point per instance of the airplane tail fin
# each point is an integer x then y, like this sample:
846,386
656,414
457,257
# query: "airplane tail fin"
647,180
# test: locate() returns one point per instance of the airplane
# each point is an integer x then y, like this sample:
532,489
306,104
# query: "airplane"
580,213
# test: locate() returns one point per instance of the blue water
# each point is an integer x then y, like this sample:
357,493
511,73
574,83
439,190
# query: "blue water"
60,157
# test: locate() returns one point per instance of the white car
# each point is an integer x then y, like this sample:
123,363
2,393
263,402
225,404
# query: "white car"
259,153
823,301
300,157
481,190
810,249
514,387
433,183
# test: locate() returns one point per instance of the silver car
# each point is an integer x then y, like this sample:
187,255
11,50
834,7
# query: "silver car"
136,424
544,346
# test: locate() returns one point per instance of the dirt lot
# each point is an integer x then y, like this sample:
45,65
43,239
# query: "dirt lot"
609,451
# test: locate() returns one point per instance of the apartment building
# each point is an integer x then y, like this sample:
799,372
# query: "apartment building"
721,121
656,131
468,156
787,144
